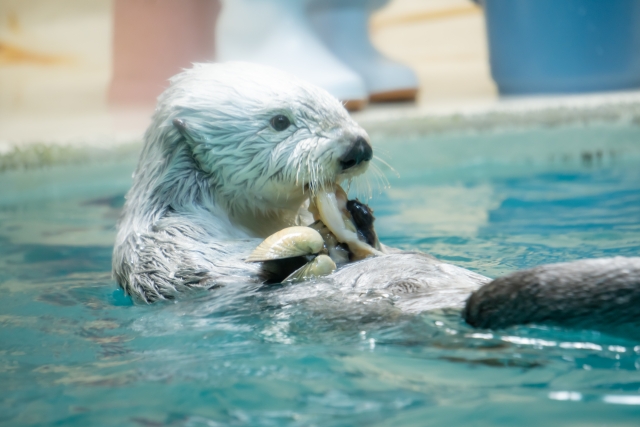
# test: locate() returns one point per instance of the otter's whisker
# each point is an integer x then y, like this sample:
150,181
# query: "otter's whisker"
372,172
315,176
387,165
349,181
356,187
298,181
382,155
381,178
367,188
309,173
367,191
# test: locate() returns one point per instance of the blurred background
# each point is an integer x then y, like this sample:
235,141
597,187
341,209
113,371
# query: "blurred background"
90,70
59,59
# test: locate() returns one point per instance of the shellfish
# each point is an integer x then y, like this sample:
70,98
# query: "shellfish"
343,232
288,243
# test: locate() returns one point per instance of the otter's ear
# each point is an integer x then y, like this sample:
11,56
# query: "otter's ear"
181,125
201,149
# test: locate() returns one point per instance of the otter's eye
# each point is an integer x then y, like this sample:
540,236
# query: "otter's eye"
280,122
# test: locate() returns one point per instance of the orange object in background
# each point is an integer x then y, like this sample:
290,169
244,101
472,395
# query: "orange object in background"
155,39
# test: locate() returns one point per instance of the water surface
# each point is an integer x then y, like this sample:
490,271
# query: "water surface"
75,351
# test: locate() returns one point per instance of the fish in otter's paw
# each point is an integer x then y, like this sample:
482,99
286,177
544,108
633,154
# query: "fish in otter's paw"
234,154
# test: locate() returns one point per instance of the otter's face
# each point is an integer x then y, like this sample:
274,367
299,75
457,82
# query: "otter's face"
313,144
265,139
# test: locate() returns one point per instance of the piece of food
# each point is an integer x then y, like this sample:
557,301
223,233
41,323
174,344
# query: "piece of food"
339,252
321,265
330,206
288,243
343,232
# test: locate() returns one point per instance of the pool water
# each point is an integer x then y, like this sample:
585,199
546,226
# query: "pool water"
75,351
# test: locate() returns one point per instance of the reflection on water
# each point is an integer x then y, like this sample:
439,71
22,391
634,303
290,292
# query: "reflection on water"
75,351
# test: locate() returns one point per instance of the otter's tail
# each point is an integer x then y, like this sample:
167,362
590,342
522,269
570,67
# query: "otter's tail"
601,294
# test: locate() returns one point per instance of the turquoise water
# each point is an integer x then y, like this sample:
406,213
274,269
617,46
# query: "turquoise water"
74,351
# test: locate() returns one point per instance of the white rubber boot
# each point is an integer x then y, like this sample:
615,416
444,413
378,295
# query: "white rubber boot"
278,33
344,27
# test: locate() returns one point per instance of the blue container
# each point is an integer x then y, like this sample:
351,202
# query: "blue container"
553,46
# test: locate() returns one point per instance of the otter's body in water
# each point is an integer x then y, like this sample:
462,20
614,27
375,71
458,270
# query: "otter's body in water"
233,154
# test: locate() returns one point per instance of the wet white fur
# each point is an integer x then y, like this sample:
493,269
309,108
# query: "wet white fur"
203,198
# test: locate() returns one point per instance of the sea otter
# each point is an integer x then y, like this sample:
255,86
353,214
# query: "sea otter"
233,154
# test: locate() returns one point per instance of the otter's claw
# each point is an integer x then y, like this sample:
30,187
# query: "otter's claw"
321,265
288,243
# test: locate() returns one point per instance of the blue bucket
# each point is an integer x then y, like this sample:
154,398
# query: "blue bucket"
563,46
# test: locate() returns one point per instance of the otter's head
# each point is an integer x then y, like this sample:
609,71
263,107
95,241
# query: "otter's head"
260,138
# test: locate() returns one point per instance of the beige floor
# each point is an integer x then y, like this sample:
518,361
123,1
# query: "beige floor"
55,64
55,61
444,42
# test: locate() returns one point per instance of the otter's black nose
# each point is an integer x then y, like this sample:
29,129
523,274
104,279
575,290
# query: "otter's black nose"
360,151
